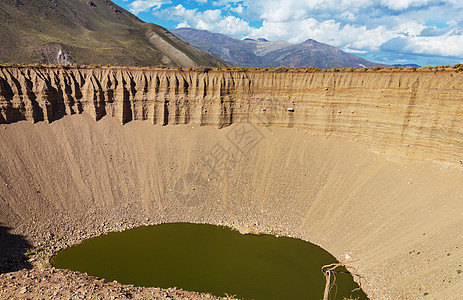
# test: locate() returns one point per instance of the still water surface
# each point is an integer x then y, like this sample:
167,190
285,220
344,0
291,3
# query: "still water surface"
207,258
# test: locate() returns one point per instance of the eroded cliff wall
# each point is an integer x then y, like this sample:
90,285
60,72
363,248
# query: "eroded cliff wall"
415,114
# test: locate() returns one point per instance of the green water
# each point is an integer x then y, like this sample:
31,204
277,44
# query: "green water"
209,259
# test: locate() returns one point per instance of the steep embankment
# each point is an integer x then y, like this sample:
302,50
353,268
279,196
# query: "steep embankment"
308,167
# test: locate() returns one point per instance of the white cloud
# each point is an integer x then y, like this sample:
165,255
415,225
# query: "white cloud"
446,45
403,4
239,9
282,11
418,27
225,2
233,26
211,20
348,16
183,24
138,6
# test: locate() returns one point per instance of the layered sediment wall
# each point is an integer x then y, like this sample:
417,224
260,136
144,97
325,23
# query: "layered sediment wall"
417,114
318,156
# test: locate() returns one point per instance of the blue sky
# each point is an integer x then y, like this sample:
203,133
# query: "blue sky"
425,32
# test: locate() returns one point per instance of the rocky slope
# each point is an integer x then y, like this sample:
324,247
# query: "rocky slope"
64,284
364,164
271,54
89,32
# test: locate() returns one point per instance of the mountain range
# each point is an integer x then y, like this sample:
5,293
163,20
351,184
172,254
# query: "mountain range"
89,32
263,53
101,32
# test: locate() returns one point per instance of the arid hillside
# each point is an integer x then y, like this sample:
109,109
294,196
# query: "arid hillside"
364,163
89,32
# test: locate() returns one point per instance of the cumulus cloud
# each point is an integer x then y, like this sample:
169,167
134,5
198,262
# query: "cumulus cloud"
403,4
211,20
138,6
238,9
444,45
434,31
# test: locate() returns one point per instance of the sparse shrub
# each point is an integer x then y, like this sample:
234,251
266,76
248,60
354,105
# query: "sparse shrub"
460,68
202,69
241,69
281,69
37,250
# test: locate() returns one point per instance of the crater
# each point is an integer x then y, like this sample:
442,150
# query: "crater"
380,193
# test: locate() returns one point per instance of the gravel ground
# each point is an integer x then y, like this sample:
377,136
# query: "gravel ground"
51,283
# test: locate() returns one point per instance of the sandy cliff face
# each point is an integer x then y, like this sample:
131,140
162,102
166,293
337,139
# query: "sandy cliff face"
417,114
300,158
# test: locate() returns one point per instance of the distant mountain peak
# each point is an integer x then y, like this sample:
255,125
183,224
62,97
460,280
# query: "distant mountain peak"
267,54
311,41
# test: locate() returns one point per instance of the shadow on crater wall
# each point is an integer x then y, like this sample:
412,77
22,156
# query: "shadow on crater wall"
12,249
